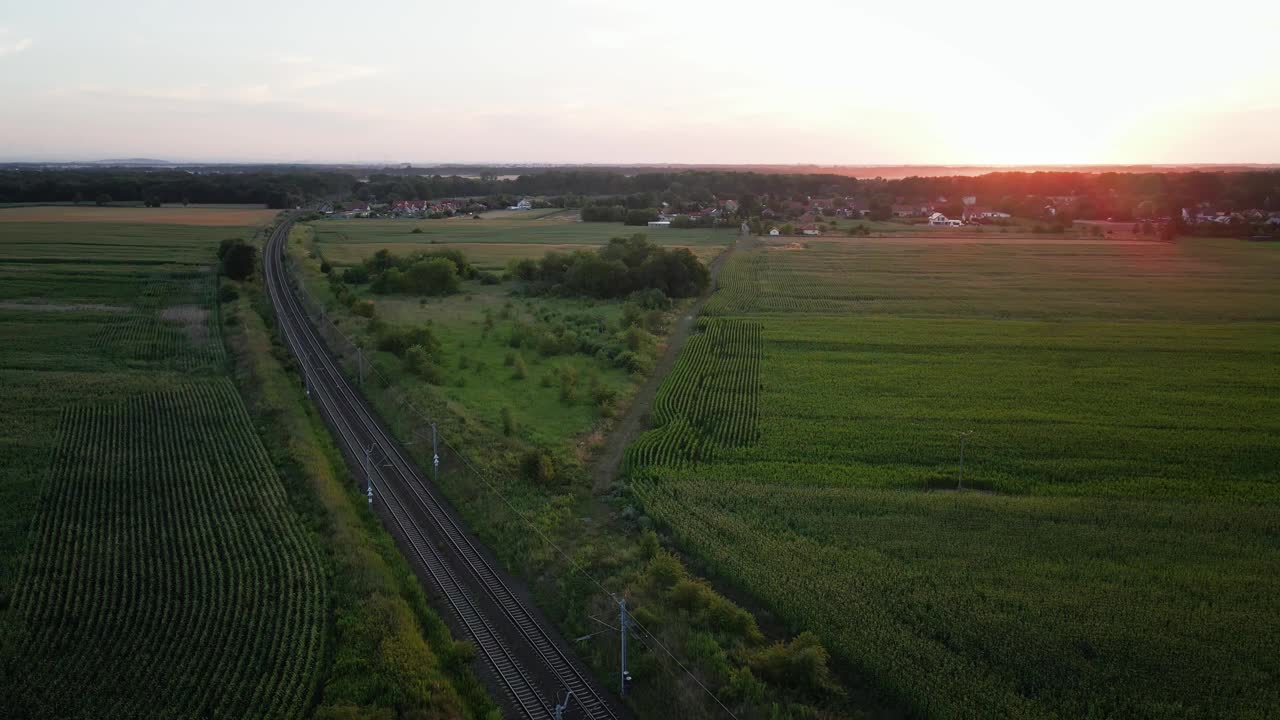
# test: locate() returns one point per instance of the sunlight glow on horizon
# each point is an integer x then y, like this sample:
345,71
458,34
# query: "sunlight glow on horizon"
587,81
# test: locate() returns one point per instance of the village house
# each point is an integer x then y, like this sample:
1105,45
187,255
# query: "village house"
417,208
355,209
939,220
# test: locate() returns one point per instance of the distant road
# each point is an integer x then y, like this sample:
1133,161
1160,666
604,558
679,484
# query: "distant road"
527,664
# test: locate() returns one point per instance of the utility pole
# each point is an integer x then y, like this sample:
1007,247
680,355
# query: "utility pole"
368,478
561,707
624,677
360,365
964,437
435,456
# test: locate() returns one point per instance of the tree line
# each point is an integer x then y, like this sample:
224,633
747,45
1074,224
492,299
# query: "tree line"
621,268
1097,195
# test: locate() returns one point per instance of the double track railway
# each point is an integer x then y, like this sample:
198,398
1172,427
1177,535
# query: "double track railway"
527,662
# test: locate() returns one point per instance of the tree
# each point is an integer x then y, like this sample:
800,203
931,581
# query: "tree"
432,276
641,217
238,258
103,199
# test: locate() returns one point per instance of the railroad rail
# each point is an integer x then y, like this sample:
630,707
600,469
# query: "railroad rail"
529,665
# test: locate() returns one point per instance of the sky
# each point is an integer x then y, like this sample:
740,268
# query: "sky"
603,81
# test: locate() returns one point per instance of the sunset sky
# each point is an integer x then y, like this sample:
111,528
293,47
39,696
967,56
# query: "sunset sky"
602,81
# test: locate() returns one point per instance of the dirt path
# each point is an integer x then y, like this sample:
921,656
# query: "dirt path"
631,424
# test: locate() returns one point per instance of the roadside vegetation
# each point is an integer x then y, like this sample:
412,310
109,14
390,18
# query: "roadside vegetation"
391,654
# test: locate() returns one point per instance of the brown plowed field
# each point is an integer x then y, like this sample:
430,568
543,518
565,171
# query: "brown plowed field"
222,217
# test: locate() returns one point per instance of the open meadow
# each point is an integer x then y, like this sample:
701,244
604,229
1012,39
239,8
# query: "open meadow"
1115,551
474,327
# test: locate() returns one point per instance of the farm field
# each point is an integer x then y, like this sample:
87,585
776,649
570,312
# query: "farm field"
202,216
358,238
152,563
1114,552
140,508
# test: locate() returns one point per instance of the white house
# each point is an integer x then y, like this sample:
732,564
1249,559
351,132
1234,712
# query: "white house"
773,232
939,220
524,204
659,223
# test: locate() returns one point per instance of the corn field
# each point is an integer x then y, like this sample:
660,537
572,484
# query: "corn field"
1111,552
710,401
168,576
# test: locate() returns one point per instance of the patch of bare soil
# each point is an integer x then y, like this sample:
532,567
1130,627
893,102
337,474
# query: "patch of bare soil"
193,319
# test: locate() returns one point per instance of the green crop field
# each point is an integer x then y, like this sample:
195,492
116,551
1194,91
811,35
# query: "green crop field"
150,563
1116,549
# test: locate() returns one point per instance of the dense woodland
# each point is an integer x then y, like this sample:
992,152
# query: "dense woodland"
1122,196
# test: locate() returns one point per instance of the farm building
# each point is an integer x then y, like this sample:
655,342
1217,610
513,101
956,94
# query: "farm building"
659,223
773,232
939,220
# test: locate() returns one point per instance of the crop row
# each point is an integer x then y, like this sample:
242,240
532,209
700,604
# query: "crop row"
785,281
710,400
168,575
174,322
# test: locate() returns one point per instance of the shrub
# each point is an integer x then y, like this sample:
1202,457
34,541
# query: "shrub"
649,544
357,275
568,383
434,276
419,361
397,341
508,422
538,466
800,665
603,395
364,308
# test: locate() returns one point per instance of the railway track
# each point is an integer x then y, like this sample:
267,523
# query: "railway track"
528,664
